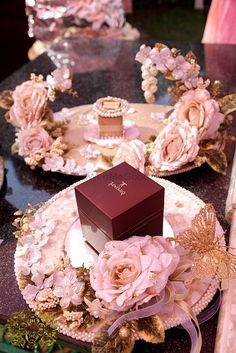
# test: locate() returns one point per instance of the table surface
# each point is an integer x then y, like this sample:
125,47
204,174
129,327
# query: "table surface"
105,68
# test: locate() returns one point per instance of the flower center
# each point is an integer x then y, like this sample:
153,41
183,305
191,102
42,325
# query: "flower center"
124,273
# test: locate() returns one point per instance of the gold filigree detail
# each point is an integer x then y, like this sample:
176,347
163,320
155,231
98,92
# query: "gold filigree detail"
26,330
210,257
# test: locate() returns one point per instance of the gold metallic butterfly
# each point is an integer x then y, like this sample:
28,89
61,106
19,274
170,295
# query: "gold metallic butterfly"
210,257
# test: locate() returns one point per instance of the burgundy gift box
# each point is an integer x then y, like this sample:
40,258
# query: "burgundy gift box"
119,203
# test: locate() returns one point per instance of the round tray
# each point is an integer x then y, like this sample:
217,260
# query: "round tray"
59,216
138,123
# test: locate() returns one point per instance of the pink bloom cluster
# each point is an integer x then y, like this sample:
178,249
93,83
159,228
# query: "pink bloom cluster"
163,61
29,108
46,18
131,272
195,117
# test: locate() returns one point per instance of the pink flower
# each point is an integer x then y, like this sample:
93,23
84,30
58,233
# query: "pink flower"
30,101
67,287
176,145
133,153
163,59
197,107
53,164
181,67
95,308
33,140
132,271
60,79
143,54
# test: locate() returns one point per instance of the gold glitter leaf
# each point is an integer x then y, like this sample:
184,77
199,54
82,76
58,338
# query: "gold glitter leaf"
215,88
151,329
210,257
121,341
217,160
228,104
6,100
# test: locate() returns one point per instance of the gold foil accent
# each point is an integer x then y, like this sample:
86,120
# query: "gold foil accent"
210,257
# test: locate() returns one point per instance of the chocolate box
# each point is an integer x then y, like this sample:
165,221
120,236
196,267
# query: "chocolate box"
119,203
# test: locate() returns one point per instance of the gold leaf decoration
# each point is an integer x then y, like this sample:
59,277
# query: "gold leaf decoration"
151,329
228,104
26,330
210,257
191,57
217,160
215,88
121,341
6,100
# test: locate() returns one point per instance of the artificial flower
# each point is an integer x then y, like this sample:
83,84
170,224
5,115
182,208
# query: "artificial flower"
53,164
175,146
133,153
200,110
60,79
67,287
133,271
30,101
31,141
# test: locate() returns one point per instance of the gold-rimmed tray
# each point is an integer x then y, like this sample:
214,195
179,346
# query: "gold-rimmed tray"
90,154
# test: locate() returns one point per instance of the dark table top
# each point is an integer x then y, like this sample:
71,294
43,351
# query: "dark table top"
104,69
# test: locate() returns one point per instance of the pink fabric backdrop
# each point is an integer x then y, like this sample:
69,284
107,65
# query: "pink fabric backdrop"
221,23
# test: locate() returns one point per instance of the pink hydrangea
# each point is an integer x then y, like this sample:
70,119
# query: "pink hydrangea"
131,272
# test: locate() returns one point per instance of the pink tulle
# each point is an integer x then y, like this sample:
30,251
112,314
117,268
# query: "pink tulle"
221,24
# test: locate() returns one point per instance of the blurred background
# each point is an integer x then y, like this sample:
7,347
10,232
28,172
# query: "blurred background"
150,17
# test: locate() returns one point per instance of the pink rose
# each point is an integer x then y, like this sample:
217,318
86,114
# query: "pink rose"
176,145
133,153
32,140
197,107
132,271
30,101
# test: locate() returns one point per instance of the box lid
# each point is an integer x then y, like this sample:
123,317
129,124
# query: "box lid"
119,198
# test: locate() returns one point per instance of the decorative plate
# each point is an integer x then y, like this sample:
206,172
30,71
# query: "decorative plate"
52,264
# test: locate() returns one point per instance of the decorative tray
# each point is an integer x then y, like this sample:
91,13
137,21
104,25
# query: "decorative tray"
56,272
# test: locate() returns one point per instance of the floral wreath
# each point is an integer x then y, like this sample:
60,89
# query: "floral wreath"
195,130
197,126
39,137
134,288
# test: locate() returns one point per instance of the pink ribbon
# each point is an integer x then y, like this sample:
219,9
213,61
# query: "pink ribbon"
187,325
195,342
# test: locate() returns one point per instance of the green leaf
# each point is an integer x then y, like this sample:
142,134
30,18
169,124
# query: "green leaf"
151,329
